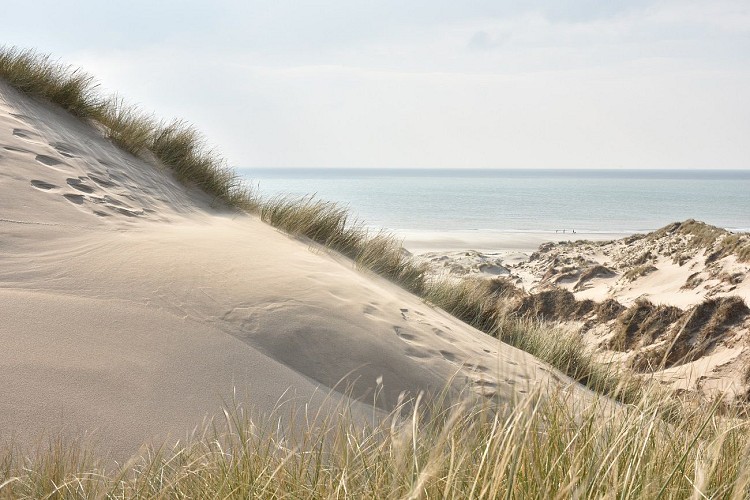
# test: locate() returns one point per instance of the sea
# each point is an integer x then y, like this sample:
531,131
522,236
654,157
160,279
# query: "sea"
538,201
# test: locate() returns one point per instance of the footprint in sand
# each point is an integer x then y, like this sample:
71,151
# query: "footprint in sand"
484,387
127,212
370,308
49,161
76,199
406,337
15,149
25,134
66,149
443,335
479,368
20,117
44,186
417,353
115,202
406,314
79,185
102,182
448,355
483,382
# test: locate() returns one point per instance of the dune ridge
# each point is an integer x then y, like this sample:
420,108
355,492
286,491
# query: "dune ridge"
135,307
671,303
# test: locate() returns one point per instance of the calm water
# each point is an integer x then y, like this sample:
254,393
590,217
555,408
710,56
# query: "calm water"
514,200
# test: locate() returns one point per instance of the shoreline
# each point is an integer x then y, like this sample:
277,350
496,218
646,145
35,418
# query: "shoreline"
420,242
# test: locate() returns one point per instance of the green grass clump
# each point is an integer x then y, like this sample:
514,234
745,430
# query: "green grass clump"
735,244
331,225
639,271
39,75
545,446
642,324
717,242
476,303
175,145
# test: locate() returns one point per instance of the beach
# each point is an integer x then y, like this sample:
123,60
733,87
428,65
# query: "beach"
419,242
135,309
378,250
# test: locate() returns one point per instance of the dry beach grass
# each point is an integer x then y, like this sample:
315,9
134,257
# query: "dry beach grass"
531,444
538,449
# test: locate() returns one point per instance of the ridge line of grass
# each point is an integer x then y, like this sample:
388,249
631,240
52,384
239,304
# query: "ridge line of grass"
180,147
176,144
539,450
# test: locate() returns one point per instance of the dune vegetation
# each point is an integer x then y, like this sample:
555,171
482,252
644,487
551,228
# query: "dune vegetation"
539,448
176,144
652,446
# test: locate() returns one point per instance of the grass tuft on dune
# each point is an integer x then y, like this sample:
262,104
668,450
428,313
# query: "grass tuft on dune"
331,225
488,308
176,144
541,448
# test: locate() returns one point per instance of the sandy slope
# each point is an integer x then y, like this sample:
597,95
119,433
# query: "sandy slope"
131,309
665,268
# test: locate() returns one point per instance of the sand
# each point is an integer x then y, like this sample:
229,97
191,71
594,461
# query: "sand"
133,309
675,273
502,242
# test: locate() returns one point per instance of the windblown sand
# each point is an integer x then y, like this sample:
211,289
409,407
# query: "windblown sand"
132,309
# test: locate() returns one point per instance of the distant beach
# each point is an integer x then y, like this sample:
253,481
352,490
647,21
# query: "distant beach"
420,241
488,210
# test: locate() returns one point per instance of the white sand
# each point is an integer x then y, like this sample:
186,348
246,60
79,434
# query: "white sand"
420,242
132,310
721,369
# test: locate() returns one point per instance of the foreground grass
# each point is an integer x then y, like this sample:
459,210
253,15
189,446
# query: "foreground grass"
482,305
543,447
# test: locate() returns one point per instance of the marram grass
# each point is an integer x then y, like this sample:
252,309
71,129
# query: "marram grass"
539,448
331,225
543,447
180,147
176,144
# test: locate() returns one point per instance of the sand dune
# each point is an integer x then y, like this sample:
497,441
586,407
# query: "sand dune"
133,309
681,290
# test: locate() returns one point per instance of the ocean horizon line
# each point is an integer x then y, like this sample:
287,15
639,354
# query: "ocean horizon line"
361,172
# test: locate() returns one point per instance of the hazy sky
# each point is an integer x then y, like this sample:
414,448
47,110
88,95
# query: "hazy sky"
425,83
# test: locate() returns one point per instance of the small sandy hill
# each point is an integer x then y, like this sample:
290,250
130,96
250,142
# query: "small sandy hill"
682,264
132,309
671,303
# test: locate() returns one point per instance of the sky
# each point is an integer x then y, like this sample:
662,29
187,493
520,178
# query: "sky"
423,83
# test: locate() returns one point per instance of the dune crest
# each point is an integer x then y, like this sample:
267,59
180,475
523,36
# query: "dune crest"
134,309
670,304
